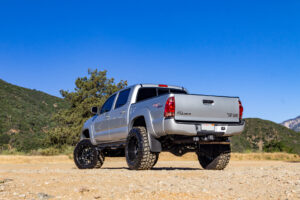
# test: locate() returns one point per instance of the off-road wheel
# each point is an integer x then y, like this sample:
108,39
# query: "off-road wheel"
214,156
137,150
86,155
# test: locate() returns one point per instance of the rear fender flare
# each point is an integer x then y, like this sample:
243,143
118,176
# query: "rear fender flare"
155,145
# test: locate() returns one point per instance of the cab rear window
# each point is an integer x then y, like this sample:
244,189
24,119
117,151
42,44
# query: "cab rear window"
176,91
147,93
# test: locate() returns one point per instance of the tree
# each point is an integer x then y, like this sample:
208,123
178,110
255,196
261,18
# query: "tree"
89,91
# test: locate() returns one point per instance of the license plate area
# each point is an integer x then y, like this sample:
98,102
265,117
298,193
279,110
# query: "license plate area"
208,127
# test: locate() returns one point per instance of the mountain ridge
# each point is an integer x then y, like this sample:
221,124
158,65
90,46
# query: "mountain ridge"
265,135
293,123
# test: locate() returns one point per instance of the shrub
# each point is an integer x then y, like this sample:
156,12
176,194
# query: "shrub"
277,146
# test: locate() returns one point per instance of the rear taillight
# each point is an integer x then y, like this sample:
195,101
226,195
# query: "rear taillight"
170,107
241,108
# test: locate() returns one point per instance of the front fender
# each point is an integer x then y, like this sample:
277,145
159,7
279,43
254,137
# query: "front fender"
88,125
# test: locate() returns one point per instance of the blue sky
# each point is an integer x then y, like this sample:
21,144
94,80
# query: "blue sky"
249,49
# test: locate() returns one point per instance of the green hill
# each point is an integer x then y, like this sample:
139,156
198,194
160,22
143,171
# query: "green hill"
25,116
263,135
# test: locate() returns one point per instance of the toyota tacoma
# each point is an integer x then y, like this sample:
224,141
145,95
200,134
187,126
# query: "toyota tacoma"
142,120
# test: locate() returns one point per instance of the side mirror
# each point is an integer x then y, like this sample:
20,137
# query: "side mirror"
94,110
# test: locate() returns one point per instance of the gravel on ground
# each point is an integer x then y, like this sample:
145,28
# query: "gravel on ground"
51,179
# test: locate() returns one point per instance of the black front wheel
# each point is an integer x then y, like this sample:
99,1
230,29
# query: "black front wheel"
86,155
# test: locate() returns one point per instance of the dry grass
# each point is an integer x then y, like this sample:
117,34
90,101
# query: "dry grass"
18,159
266,156
21,159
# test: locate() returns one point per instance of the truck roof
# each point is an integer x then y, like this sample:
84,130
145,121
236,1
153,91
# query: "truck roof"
158,85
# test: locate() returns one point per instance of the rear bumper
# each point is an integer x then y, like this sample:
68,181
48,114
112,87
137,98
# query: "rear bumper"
172,127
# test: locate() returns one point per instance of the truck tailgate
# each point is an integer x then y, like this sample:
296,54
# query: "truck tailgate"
206,108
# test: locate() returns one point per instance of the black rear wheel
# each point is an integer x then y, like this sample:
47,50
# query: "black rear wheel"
214,156
86,155
156,159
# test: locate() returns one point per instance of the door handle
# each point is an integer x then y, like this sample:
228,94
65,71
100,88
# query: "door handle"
206,101
106,116
122,112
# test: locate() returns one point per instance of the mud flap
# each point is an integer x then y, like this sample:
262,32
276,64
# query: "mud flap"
155,145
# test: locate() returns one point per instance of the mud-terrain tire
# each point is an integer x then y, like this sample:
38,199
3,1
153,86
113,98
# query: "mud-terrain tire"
137,150
101,159
214,156
156,159
86,155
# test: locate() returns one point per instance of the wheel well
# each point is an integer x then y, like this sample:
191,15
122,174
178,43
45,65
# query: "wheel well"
155,145
139,121
86,134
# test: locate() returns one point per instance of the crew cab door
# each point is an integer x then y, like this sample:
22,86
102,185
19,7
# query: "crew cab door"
101,124
119,117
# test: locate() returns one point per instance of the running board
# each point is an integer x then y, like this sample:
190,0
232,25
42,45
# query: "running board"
112,145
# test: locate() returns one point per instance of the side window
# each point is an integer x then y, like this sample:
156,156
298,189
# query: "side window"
122,99
108,104
145,93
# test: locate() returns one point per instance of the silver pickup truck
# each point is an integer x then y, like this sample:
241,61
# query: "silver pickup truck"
143,120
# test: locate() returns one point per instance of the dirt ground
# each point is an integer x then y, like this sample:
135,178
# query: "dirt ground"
56,177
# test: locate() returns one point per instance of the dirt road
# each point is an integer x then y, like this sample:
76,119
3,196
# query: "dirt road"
58,178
